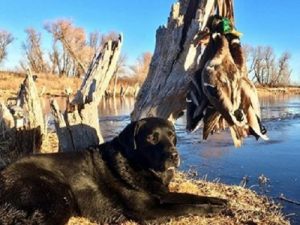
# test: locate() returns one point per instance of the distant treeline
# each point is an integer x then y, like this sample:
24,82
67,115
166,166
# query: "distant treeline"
265,68
73,49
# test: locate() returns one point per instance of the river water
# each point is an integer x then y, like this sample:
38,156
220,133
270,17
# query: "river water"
277,159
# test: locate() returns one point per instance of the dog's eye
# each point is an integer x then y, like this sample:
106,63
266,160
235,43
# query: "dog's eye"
171,134
153,138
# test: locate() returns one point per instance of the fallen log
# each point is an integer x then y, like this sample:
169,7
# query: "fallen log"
78,126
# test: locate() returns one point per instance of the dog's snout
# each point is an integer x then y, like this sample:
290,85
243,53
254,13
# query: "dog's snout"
174,156
239,115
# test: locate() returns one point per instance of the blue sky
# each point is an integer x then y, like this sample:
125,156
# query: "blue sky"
263,22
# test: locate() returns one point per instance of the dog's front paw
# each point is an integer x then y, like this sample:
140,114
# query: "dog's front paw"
217,201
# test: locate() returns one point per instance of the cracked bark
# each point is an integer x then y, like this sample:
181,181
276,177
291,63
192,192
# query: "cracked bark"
22,125
175,58
78,127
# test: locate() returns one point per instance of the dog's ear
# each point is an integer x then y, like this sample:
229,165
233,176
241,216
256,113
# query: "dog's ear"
128,135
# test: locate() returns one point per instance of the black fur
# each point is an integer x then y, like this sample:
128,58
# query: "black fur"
126,178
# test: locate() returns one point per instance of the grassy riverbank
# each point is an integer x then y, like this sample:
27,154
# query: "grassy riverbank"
54,86
245,206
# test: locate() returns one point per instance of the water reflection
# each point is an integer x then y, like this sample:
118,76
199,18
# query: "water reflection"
116,106
279,106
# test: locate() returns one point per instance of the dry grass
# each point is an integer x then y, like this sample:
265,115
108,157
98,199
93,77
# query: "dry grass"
265,91
53,85
50,143
245,206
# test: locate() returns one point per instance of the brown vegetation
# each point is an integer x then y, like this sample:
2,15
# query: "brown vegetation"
49,84
72,51
284,90
245,206
53,85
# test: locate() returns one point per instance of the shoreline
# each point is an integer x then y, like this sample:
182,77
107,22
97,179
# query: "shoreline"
53,86
264,91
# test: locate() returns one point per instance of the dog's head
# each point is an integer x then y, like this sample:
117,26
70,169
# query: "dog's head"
151,143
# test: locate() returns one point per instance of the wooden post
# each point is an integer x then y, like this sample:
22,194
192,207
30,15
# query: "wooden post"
78,127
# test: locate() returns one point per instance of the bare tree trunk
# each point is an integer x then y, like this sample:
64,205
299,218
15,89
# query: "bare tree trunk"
115,85
124,92
175,58
22,125
73,55
136,90
79,127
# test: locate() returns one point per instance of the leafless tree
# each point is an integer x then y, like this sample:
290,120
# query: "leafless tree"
73,49
5,39
121,70
283,75
141,67
265,68
34,53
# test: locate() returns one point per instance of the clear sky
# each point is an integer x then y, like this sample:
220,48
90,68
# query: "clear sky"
263,22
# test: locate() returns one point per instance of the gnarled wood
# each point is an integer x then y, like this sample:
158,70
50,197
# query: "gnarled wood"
175,58
22,125
78,127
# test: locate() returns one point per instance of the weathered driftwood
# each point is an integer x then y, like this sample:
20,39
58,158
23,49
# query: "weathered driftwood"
175,58
79,127
115,85
29,100
22,125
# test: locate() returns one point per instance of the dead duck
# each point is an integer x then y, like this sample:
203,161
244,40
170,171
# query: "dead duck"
232,95
251,107
217,89
209,96
220,82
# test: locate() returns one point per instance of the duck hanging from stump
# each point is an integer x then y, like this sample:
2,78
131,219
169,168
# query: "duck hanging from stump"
220,93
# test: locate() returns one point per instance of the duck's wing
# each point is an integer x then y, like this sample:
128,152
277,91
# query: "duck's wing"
220,82
237,135
251,108
196,103
210,122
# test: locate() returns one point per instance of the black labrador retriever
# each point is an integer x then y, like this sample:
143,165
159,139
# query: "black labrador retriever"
126,178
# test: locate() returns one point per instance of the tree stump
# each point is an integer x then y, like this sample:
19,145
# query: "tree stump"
175,58
78,127
22,125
